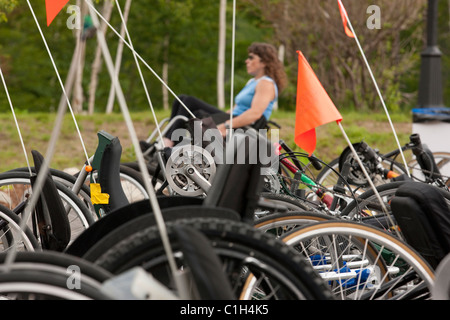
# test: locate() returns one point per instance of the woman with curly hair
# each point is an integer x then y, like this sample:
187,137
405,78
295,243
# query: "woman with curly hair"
253,104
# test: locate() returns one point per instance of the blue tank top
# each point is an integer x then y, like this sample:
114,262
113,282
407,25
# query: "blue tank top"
244,98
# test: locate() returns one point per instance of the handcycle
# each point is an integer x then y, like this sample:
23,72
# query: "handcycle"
170,175
425,165
370,263
135,224
58,214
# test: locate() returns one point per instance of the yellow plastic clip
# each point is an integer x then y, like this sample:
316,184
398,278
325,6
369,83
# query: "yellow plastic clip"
97,197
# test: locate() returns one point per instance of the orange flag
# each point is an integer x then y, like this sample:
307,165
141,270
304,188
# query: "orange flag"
344,17
53,7
314,107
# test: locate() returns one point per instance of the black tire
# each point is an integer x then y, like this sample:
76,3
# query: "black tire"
234,242
67,180
279,202
44,285
387,190
80,217
281,223
10,226
24,260
127,220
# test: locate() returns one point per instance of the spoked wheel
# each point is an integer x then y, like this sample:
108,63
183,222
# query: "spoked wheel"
327,176
367,209
49,275
357,177
280,223
272,203
442,160
257,265
360,262
12,235
16,189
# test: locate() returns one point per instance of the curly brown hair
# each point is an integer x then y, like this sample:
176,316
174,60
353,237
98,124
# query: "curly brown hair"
274,68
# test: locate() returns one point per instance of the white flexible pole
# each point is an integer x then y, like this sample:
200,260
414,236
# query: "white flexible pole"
377,89
233,36
141,161
124,25
141,59
15,120
366,175
39,183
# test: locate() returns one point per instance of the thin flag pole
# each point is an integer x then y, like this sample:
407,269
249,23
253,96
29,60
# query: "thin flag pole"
344,12
311,93
147,94
141,161
366,174
15,121
233,36
40,180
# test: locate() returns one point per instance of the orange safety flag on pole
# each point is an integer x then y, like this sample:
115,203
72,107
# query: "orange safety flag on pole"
314,107
53,7
344,17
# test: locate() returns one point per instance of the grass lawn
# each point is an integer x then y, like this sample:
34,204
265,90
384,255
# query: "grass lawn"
36,130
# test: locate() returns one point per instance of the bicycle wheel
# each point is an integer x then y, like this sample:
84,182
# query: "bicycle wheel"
281,223
48,260
257,265
350,257
357,177
328,177
51,275
159,181
69,181
15,189
132,218
442,160
272,203
367,209
12,236
133,184
80,217
44,285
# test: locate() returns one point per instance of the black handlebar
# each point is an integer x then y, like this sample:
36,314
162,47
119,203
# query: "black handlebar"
289,151
424,157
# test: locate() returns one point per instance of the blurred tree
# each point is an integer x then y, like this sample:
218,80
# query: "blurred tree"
315,27
179,40
6,6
